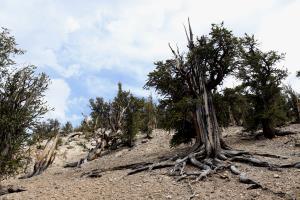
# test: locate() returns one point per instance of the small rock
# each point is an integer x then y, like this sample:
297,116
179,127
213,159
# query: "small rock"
276,176
144,140
119,154
224,176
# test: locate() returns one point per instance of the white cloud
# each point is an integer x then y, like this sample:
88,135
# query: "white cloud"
102,87
57,97
81,38
72,24
279,31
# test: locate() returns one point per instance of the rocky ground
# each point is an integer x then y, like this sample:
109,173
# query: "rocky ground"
61,183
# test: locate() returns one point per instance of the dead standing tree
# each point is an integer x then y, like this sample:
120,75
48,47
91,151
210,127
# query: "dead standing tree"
45,158
192,79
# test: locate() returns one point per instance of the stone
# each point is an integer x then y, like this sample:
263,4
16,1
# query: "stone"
276,176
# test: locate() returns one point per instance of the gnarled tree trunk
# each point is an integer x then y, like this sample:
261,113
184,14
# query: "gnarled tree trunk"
207,125
268,131
298,110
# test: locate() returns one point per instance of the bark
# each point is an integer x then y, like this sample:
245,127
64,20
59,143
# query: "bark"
268,131
93,154
232,121
207,129
298,110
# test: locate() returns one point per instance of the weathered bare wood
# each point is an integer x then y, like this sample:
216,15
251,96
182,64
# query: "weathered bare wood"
10,189
45,159
134,167
150,167
244,179
251,160
234,170
74,135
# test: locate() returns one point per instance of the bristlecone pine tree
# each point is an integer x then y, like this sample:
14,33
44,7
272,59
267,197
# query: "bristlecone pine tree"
233,104
261,80
186,83
293,104
113,124
192,79
149,117
45,130
67,128
21,105
131,124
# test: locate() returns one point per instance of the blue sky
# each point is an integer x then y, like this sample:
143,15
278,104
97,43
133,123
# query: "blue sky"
86,47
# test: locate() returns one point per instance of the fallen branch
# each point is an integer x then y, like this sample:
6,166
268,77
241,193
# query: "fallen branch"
73,135
10,189
98,172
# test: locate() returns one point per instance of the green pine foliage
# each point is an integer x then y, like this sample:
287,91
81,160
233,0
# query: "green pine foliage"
132,121
292,104
67,128
216,53
45,130
121,117
262,79
21,105
148,117
231,106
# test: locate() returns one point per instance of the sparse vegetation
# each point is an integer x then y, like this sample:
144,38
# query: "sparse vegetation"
45,130
67,128
149,120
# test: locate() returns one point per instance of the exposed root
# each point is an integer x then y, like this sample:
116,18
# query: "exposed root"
205,167
253,161
211,165
151,167
284,133
234,170
232,153
254,184
293,165
141,165
269,155
193,193
204,174
246,180
10,189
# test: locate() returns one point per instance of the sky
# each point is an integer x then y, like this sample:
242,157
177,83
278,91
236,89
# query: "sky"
87,47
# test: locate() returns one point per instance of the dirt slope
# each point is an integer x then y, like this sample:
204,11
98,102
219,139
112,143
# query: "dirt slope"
60,183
